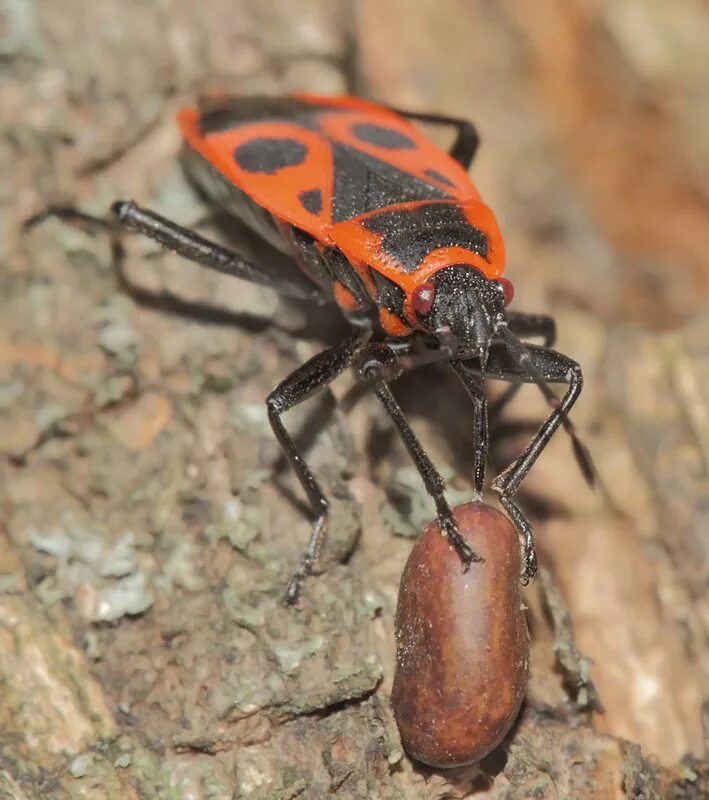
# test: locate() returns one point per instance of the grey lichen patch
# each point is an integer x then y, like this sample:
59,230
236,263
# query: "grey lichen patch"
21,34
250,617
49,415
117,335
249,418
240,523
81,765
101,574
181,569
113,767
113,390
290,658
372,603
124,761
89,543
128,596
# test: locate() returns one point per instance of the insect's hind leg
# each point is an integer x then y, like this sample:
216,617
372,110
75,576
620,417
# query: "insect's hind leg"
373,361
467,140
72,216
525,326
194,247
301,384
555,368
181,240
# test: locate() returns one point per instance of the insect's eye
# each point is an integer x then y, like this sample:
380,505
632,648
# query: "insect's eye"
508,290
422,298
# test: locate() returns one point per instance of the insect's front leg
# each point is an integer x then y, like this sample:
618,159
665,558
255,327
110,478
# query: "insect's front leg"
525,326
377,360
301,384
555,368
466,141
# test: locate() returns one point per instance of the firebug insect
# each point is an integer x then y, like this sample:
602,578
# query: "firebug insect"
388,226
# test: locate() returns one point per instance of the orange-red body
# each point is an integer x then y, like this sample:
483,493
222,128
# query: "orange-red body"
294,166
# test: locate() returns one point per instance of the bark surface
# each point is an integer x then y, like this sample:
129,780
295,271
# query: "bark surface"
148,523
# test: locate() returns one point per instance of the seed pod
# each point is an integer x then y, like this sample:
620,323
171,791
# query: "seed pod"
462,647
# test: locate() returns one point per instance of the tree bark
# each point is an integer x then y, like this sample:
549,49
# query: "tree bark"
149,523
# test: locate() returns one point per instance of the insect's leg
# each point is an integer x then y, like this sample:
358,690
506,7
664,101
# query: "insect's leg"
532,325
555,368
372,360
467,140
525,326
194,247
301,384
475,386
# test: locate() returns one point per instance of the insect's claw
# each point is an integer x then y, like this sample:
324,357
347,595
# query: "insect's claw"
466,553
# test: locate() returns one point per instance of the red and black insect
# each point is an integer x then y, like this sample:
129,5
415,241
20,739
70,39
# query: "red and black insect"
389,227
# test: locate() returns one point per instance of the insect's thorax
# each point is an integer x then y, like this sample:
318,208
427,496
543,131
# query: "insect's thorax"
374,263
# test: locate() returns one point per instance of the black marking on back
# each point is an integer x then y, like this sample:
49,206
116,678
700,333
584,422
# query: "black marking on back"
432,173
311,200
381,136
269,155
410,235
363,184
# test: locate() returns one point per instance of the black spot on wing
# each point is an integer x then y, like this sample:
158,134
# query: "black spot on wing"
269,155
410,235
383,137
432,173
311,200
363,183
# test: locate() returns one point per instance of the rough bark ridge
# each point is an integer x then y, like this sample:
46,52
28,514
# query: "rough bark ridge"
148,524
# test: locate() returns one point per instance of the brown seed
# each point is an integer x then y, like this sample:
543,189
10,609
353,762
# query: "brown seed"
462,647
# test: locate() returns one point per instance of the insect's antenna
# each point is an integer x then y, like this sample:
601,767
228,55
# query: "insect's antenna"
524,361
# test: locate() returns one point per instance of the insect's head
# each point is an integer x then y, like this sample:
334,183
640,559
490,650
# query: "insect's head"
461,303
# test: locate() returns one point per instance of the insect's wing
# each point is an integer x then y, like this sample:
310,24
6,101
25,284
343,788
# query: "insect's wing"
312,162
381,159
